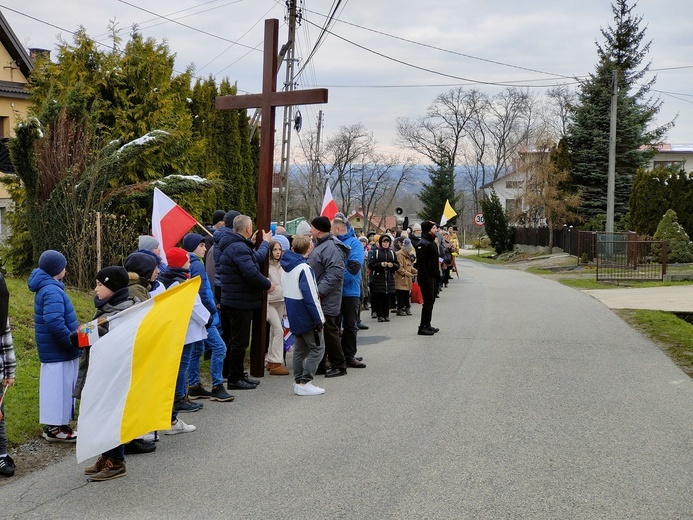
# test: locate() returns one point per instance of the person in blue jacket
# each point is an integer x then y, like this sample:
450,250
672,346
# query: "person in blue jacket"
350,310
196,246
54,320
306,318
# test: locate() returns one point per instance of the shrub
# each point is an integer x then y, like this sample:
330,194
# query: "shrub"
679,247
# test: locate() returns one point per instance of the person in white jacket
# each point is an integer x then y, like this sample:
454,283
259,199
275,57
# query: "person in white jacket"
178,272
275,313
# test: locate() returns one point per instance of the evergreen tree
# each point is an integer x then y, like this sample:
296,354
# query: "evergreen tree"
496,223
622,52
679,247
656,191
434,194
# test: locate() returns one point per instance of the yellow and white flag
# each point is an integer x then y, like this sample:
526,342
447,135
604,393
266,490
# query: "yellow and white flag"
448,213
132,372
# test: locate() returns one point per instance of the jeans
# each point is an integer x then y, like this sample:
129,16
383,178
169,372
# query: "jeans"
307,355
3,433
181,382
275,313
117,453
351,308
218,348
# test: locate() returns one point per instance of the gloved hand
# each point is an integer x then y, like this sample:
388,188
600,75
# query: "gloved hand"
73,339
318,327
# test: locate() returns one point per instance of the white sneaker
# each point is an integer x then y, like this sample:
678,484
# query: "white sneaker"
151,436
308,389
180,427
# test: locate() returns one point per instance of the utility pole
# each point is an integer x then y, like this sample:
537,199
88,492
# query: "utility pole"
288,113
316,167
611,183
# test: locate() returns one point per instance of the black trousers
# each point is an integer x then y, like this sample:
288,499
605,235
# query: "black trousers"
403,299
351,308
381,304
428,291
240,322
333,345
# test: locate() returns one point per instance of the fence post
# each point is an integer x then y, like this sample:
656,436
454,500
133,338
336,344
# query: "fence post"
664,258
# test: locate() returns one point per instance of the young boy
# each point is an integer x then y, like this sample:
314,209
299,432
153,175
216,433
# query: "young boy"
54,320
196,247
112,296
179,272
305,315
7,367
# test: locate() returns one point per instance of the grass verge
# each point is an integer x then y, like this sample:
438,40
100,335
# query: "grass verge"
672,334
22,399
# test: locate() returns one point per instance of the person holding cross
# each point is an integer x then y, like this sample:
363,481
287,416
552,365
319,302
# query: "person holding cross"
242,285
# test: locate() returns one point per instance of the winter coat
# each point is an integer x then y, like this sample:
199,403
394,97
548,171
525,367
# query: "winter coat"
117,303
327,259
206,293
354,262
382,277
197,326
138,287
242,281
427,265
54,318
406,271
300,294
275,273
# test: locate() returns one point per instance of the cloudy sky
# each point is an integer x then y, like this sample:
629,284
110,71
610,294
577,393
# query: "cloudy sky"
387,58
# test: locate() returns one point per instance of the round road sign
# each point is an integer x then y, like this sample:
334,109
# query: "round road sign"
479,219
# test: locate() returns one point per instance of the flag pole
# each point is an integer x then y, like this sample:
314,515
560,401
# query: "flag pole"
205,228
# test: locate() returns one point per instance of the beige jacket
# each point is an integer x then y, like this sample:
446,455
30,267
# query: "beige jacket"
405,272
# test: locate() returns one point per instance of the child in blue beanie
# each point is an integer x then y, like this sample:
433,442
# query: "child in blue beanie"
54,320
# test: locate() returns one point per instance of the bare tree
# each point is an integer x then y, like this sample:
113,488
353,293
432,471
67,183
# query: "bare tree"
345,155
439,134
562,100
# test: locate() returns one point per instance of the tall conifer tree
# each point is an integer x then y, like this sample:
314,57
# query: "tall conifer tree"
623,51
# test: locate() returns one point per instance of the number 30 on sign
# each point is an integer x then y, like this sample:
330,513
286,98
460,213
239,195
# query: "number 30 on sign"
479,219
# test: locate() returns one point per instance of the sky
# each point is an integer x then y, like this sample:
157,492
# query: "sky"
384,59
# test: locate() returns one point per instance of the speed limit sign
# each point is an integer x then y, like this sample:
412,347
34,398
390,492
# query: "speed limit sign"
479,219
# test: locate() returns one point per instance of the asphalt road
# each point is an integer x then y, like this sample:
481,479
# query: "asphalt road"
533,401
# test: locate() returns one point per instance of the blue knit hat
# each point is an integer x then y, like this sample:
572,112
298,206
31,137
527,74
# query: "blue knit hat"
52,262
191,241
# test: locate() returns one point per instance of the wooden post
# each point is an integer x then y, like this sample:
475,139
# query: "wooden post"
267,101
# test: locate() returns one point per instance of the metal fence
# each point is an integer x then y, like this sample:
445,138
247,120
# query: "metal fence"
627,256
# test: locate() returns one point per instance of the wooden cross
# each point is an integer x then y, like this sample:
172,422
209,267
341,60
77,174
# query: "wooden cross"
267,102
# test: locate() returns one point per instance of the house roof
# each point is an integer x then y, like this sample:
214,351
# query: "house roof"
14,47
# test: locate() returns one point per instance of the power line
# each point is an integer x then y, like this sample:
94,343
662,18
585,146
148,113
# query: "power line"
187,26
425,69
446,50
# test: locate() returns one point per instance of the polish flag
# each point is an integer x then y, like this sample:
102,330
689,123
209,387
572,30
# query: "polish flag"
329,207
170,222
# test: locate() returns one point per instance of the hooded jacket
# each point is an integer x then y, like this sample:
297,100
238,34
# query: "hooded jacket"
300,294
327,259
242,281
197,268
54,318
354,262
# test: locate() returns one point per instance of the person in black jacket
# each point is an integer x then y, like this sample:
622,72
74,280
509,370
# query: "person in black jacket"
383,265
242,285
428,275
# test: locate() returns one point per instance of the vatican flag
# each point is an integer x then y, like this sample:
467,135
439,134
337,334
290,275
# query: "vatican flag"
448,213
132,372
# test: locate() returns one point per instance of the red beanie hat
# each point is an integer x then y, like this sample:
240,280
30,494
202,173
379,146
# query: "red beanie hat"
176,257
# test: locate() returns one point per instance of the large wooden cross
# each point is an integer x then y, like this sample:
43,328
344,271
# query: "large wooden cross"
267,102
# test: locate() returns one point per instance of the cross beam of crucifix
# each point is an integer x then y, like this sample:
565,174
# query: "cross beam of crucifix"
267,101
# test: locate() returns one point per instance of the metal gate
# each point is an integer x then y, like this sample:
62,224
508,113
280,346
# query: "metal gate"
627,256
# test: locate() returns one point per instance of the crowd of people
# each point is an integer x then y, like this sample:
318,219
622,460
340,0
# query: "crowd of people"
318,282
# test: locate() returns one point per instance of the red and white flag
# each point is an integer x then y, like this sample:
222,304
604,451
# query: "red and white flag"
329,206
170,222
